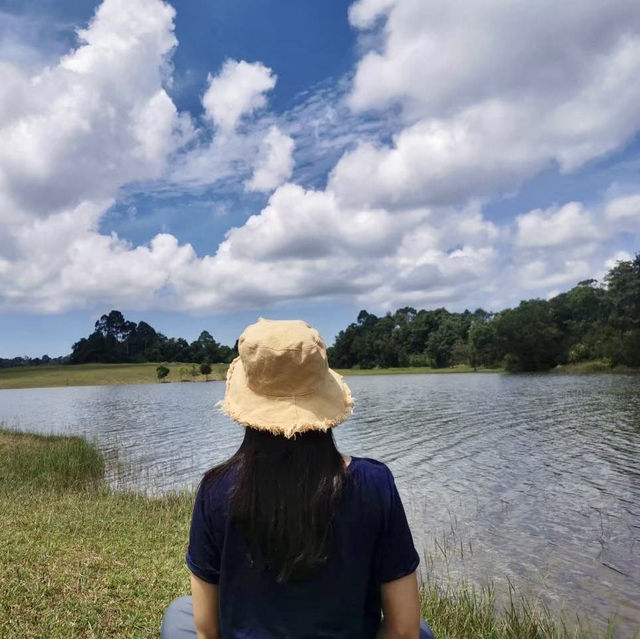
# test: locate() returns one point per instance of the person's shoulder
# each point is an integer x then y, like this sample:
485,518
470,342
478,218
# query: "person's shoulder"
373,485
215,490
373,469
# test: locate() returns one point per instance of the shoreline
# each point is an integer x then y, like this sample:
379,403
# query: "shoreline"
415,370
145,373
70,570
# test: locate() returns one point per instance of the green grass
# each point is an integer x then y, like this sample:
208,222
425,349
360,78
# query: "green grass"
595,366
77,560
416,370
468,612
97,375
48,462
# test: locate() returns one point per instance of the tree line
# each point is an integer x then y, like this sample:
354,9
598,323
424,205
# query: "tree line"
10,362
591,321
117,340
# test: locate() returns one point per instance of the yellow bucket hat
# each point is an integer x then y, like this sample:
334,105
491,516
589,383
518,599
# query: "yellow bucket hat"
282,383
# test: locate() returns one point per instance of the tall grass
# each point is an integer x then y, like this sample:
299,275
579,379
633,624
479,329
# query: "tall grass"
77,560
461,611
595,366
48,461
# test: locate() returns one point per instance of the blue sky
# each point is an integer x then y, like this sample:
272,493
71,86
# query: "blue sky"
198,165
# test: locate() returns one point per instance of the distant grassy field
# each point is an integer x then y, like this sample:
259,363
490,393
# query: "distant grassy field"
97,375
116,374
79,561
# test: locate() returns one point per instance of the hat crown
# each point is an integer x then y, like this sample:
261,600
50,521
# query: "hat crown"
283,358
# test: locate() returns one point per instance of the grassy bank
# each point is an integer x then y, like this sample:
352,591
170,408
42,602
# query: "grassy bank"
595,367
77,560
416,370
98,375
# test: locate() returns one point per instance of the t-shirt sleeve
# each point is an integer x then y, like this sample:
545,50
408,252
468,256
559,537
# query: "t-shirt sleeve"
396,555
203,554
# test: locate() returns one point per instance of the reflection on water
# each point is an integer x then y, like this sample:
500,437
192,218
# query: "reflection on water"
532,478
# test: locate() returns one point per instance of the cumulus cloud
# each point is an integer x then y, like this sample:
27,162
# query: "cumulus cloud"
551,227
440,162
625,209
397,222
73,133
440,56
275,161
96,120
492,98
237,90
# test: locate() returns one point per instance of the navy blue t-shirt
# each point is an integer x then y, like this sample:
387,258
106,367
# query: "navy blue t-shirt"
372,544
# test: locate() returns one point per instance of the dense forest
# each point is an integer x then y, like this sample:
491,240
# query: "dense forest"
117,340
591,321
10,362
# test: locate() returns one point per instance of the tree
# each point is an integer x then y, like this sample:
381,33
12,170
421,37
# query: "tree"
143,343
459,353
623,295
112,324
483,344
205,369
206,348
162,371
441,342
528,337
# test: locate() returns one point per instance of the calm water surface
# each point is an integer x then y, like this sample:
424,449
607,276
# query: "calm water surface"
531,479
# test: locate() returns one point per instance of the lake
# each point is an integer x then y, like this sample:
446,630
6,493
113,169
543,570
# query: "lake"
528,479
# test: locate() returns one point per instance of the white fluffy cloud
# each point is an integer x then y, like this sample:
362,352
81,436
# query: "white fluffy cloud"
275,161
569,223
492,93
441,56
625,209
73,134
238,89
98,119
489,94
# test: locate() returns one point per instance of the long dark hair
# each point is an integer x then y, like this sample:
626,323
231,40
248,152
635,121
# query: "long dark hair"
284,497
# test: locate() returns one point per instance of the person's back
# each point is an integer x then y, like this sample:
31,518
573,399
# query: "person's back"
370,545
289,538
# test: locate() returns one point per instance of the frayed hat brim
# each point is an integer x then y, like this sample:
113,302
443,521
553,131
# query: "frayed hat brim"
328,405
